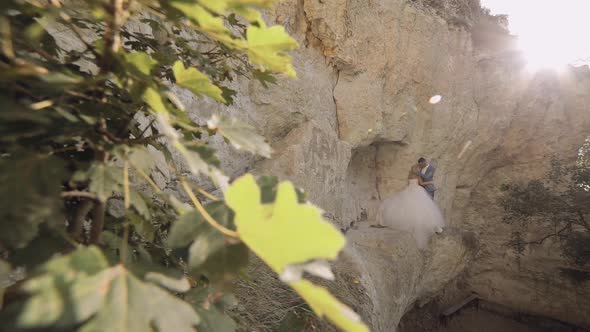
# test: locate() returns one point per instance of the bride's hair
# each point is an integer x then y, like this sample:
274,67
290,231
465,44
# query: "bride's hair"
413,172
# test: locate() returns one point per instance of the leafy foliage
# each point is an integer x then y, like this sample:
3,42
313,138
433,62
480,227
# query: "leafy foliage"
4,275
86,101
30,194
82,290
559,203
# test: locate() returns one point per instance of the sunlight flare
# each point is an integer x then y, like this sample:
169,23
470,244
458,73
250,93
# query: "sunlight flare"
550,34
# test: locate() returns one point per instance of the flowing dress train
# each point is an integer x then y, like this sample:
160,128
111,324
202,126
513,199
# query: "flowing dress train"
414,211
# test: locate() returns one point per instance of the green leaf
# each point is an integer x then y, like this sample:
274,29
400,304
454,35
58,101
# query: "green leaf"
209,252
65,114
115,243
264,77
30,192
61,78
208,295
104,180
267,47
228,95
216,6
179,285
325,304
251,15
207,242
185,229
142,226
197,82
143,255
223,265
208,23
190,226
241,135
42,248
142,159
80,291
244,9
138,202
207,154
287,234
192,159
211,306
141,61
17,122
212,320
153,99
178,206
4,279
89,260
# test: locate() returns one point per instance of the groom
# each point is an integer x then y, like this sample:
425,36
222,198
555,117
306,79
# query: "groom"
427,175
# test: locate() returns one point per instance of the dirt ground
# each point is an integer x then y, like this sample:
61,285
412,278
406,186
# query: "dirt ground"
472,319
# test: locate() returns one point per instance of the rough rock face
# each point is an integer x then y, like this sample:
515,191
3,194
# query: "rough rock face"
349,128
549,120
395,273
357,118
359,115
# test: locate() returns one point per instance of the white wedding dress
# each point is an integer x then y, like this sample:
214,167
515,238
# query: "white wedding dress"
412,210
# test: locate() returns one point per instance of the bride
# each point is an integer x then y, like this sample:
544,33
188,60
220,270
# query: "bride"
412,210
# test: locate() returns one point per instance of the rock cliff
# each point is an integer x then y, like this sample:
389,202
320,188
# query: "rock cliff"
548,122
348,129
359,115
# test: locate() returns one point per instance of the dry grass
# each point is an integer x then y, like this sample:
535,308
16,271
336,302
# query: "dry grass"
266,304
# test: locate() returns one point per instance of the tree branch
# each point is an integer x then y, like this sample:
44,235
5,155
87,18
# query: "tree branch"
207,194
76,227
97,222
205,214
114,139
83,194
112,36
549,236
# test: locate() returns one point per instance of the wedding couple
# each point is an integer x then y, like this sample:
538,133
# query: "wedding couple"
413,209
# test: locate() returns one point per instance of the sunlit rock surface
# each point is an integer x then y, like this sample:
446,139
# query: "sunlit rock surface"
395,273
549,120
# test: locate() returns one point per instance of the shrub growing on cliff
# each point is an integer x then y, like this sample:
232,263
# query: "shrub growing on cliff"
560,201
87,100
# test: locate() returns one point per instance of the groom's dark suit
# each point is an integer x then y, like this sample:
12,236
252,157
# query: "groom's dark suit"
428,176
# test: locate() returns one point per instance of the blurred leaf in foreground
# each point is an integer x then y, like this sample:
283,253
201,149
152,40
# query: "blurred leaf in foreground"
81,290
288,234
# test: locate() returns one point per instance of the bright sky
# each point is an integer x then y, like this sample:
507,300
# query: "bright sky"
551,33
